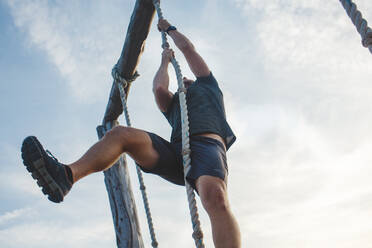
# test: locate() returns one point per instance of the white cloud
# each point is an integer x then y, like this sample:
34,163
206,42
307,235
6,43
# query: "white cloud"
292,185
314,64
79,44
302,37
12,215
47,232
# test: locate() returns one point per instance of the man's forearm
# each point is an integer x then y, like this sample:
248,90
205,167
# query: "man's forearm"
181,41
161,78
195,61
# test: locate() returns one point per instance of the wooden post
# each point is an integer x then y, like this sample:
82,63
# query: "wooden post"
134,44
123,208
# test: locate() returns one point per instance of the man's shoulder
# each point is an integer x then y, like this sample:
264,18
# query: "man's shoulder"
210,84
206,78
208,81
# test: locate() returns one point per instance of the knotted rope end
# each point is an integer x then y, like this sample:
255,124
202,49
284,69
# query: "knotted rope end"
119,79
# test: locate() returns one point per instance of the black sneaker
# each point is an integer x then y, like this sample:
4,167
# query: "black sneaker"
50,175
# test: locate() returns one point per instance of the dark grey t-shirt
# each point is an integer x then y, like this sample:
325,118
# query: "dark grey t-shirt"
206,111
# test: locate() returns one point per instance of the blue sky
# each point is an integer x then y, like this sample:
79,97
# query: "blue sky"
297,88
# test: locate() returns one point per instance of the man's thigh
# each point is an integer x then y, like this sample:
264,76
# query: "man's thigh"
168,164
140,148
208,158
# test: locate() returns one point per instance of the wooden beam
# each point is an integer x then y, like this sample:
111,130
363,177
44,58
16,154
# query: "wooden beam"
123,208
134,44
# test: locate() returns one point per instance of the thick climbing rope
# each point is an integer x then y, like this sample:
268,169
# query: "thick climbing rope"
359,22
197,232
122,84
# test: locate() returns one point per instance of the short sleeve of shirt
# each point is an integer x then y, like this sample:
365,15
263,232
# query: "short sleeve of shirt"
208,80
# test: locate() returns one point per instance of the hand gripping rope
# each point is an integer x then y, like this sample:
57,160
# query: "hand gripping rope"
197,232
122,84
360,23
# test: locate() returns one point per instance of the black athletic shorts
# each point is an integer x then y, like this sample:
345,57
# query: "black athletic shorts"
208,157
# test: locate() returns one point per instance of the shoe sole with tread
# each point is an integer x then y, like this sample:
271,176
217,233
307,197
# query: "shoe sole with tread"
33,159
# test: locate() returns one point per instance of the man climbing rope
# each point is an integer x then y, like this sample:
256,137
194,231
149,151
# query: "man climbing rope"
210,137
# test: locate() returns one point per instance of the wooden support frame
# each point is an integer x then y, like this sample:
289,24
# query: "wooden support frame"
134,44
123,208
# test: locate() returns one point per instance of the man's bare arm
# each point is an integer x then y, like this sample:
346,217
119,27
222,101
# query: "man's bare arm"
195,61
160,87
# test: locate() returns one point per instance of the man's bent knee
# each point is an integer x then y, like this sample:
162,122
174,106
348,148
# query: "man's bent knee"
213,195
136,143
122,135
118,131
